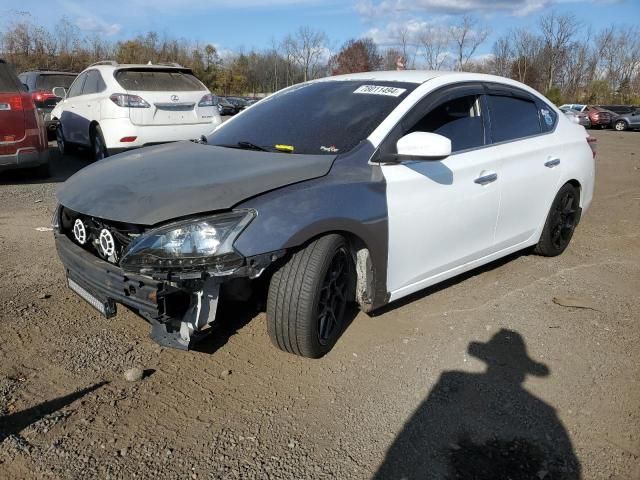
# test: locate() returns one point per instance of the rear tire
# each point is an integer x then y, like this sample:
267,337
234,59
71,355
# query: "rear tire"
98,147
308,298
561,222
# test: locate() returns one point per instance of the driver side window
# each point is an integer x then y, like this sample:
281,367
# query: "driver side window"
76,87
459,119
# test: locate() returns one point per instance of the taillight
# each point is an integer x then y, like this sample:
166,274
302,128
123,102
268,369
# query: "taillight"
125,100
42,96
592,142
12,103
207,101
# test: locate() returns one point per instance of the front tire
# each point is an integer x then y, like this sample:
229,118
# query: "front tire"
64,147
561,222
308,298
98,146
620,126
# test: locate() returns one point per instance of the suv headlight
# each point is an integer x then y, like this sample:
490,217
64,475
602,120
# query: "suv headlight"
200,244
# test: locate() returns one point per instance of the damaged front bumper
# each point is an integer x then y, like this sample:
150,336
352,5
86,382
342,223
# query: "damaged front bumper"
181,311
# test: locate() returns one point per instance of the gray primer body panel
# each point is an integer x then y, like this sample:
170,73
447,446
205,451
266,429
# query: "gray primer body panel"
162,183
351,198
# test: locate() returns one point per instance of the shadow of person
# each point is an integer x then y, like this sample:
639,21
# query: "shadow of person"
484,426
16,422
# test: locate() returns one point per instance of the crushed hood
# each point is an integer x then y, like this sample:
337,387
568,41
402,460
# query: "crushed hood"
174,180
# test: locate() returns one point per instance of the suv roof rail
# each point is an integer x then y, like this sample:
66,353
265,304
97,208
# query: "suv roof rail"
168,64
105,62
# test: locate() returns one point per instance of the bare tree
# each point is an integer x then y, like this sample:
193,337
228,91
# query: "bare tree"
390,58
306,47
434,41
406,43
502,60
526,48
558,32
467,35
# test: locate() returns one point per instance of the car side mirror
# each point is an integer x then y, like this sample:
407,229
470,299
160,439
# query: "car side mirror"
59,92
422,146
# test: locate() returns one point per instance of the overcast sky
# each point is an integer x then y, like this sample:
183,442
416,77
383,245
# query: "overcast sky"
236,24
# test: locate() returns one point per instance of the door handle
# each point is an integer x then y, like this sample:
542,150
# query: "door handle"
486,177
553,162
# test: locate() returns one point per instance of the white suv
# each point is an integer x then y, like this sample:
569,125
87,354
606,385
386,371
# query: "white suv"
111,107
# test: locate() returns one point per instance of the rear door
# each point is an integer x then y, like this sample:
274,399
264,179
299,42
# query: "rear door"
173,96
530,159
12,120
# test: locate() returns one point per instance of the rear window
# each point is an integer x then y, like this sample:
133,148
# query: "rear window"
8,80
512,118
48,81
157,80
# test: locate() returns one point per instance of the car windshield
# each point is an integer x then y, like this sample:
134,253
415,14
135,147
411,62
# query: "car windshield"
48,81
158,80
326,117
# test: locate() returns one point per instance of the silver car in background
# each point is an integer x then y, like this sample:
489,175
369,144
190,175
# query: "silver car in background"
581,118
627,121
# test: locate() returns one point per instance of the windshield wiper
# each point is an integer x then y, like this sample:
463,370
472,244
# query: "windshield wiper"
244,145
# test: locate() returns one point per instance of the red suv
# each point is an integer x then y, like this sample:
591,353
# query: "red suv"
23,140
600,118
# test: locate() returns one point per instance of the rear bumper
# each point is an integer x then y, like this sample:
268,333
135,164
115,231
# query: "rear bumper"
25,157
114,130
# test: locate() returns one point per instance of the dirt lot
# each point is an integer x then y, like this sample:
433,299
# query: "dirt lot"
396,397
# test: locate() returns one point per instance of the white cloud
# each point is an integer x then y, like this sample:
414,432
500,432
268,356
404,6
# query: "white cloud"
92,24
377,8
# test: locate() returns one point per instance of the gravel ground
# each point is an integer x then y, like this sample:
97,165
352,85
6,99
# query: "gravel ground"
485,377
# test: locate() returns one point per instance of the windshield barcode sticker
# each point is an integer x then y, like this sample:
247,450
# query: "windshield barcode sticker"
380,90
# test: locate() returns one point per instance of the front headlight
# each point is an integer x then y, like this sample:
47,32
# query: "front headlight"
198,245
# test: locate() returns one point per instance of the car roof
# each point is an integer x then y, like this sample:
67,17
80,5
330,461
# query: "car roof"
408,76
118,66
422,76
47,72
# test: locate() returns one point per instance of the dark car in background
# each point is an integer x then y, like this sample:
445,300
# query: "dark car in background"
40,84
239,103
618,109
225,107
23,141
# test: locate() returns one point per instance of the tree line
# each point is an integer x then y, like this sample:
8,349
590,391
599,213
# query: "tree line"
560,56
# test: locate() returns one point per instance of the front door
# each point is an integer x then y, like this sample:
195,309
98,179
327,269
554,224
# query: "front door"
71,115
442,214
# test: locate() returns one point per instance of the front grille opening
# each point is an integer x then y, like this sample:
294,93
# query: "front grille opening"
120,234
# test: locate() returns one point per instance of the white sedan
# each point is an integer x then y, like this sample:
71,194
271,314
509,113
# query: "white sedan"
360,188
